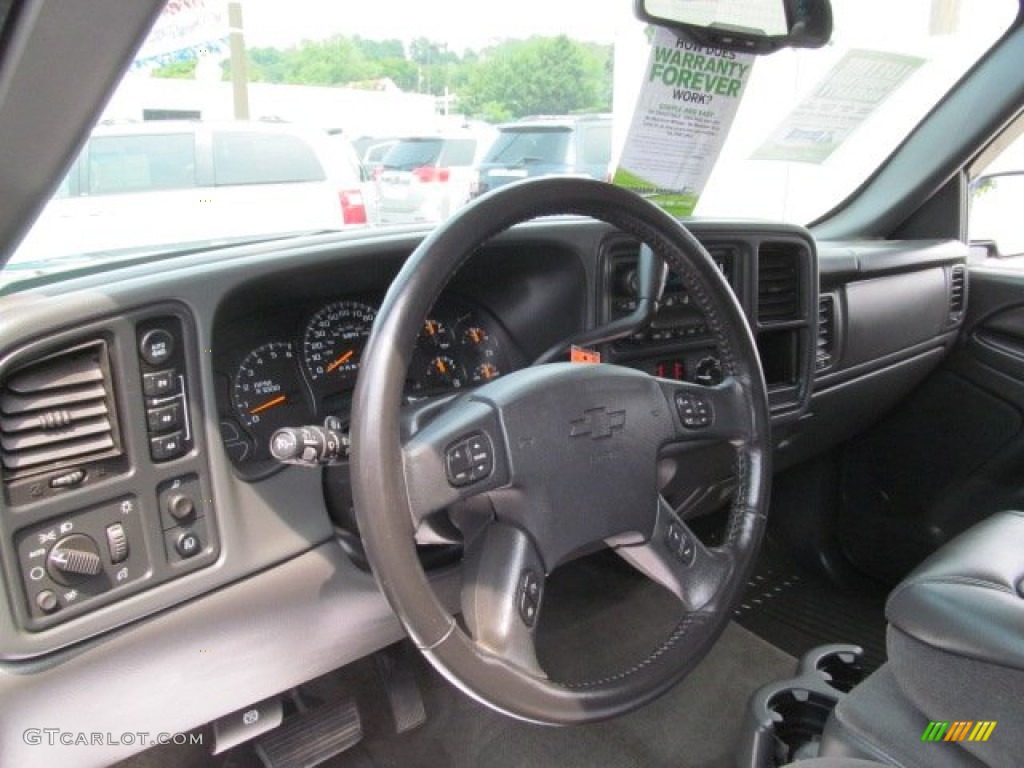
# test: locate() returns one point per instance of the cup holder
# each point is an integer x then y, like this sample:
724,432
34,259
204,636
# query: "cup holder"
799,717
841,666
785,719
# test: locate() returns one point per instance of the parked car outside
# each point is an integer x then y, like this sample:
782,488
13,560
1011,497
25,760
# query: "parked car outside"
425,178
547,146
172,183
373,152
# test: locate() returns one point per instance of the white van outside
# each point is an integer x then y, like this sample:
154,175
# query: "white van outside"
192,182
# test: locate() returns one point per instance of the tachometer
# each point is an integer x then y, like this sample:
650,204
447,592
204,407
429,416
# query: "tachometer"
334,342
268,390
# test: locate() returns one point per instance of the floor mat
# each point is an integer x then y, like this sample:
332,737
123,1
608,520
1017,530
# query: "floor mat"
600,617
796,610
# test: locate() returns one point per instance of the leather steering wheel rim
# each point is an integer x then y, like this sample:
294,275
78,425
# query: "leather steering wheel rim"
386,489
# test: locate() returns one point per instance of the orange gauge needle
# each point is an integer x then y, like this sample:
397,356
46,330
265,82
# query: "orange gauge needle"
341,360
269,404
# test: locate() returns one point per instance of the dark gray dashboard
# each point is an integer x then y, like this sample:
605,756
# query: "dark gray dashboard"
837,348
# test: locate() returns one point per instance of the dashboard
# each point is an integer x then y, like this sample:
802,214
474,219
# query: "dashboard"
185,535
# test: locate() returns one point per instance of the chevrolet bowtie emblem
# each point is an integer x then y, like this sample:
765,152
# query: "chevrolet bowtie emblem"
598,423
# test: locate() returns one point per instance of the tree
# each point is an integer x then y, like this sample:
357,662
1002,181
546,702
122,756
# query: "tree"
542,75
177,70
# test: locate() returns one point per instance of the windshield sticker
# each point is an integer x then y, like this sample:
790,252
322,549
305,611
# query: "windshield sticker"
686,106
838,105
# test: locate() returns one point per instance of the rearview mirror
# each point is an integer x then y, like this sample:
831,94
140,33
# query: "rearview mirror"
755,26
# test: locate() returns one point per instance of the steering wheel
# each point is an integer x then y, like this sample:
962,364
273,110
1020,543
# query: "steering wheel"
555,458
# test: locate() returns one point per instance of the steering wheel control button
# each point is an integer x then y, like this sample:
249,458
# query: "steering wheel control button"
188,544
73,559
47,601
156,346
166,447
694,410
117,543
680,543
160,383
481,457
459,465
529,597
469,460
164,418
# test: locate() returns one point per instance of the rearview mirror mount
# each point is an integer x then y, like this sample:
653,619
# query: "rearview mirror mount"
755,26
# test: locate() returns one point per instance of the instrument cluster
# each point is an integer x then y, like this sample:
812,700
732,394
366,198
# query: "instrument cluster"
305,376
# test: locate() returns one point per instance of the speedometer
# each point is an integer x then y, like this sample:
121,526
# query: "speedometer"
334,342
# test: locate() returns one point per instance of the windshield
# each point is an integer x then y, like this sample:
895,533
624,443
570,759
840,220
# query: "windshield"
191,150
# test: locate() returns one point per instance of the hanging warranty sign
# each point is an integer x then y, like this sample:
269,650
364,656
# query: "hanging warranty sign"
682,117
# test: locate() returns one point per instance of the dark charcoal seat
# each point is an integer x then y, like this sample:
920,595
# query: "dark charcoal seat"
956,654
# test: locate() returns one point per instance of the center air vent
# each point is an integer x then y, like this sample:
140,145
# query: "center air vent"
778,284
57,411
826,333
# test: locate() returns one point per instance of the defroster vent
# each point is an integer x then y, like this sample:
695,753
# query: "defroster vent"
58,411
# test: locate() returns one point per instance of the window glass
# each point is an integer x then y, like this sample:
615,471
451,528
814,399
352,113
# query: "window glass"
516,146
241,157
410,154
124,164
597,144
458,152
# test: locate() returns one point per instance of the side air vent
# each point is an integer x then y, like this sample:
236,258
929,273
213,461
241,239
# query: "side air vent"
826,348
57,411
957,293
778,283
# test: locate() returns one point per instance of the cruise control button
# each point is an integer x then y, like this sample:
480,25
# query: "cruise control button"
459,466
156,346
694,411
160,383
680,543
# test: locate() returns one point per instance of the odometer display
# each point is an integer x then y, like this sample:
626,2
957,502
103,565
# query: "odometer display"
334,342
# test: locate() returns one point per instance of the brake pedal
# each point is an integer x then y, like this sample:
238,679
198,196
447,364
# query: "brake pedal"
397,672
312,737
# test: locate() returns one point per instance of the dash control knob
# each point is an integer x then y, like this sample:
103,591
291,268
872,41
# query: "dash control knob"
73,559
180,506
117,543
709,371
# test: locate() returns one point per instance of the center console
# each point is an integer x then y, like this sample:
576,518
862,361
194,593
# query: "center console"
772,273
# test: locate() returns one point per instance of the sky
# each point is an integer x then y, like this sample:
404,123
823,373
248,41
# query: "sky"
462,23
